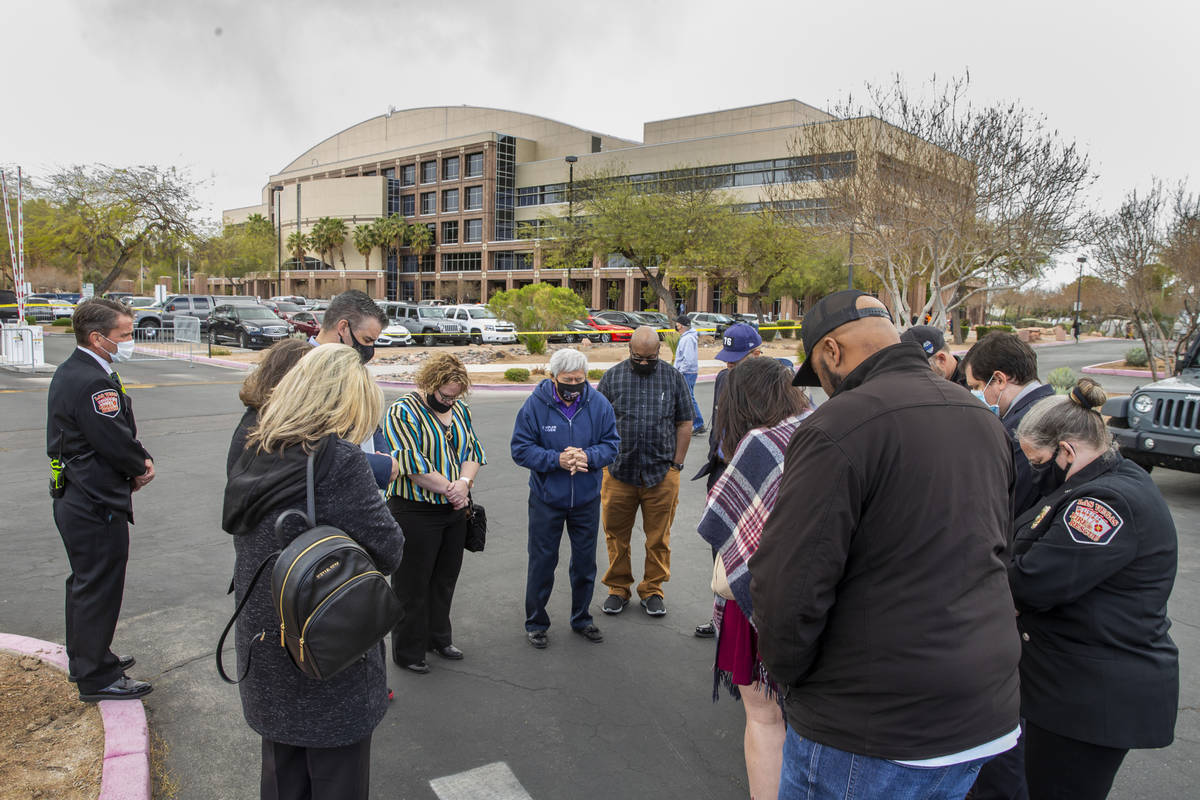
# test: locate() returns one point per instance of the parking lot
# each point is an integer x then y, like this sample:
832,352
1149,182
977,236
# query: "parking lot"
631,717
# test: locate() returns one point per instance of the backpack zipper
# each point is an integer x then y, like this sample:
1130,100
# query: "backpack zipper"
288,574
317,610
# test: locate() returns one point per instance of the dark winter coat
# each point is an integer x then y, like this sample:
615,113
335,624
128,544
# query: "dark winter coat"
542,431
1026,488
279,702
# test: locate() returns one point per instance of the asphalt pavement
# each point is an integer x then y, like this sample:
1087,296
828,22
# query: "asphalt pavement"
631,717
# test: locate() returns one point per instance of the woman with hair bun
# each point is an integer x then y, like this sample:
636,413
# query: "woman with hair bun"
1092,567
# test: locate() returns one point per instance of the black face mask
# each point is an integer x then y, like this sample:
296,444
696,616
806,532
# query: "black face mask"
1049,475
437,405
568,391
644,368
365,351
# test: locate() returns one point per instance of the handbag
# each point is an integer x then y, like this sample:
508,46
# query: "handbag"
720,581
476,527
333,604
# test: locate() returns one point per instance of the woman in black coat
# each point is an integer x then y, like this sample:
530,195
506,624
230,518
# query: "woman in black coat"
1092,568
316,735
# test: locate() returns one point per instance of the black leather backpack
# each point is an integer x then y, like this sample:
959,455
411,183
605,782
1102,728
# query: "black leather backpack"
333,604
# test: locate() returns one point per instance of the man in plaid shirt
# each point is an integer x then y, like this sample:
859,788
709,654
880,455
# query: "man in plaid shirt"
654,409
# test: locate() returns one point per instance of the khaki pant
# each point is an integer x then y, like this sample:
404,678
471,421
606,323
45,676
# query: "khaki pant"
619,503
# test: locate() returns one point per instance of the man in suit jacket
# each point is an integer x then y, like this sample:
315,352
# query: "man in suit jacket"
97,463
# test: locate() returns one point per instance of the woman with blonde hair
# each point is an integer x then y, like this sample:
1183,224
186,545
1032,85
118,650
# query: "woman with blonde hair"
1093,564
430,434
316,735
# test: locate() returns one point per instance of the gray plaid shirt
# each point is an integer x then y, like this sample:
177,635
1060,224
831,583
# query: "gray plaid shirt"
648,409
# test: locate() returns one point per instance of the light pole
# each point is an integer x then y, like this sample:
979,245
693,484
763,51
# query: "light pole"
277,202
1078,298
571,213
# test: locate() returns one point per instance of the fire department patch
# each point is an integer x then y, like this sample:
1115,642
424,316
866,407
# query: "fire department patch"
1089,521
107,403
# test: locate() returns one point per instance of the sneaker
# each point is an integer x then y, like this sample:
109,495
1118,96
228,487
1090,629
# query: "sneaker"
654,605
703,429
537,639
591,633
614,604
706,631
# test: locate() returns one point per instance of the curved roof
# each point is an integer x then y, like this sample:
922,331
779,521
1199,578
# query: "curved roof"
422,129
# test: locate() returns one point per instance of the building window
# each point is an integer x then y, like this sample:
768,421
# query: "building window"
450,168
408,264
393,196
449,201
428,172
426,290
408,174
406,291
408,205
462,262
474,231
429,262
474,198
450,232
432,228
428,203
506,174
475,165
390,173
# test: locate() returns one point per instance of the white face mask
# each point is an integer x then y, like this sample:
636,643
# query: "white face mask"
124,350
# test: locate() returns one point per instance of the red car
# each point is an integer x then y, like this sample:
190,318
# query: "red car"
307,322
608,331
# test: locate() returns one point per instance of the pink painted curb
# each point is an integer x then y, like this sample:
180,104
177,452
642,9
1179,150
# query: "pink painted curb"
1096,369
126,773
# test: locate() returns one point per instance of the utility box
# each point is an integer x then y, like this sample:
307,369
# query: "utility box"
22,346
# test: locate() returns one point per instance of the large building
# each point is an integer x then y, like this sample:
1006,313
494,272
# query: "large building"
476,176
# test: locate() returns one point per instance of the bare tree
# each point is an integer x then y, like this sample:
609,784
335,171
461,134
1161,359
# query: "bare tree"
1126,245
1181,256
937,193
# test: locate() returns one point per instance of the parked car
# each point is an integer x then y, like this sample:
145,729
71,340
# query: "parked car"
658,319
118,295
140,301
429,325
482,324
749,319
629,319
608,331
248,326
289,298
307,322
1159,424
283,308
70,297
8,307
710,322
47,307
585,331
163,315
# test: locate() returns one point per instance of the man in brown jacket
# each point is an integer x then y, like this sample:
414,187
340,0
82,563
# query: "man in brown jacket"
883,613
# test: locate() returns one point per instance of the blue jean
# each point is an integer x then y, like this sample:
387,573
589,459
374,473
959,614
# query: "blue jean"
545,533
690,377
814,771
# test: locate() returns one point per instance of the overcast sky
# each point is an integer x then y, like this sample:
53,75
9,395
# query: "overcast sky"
234,89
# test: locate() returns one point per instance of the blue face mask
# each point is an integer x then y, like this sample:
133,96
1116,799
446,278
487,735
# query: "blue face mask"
994,408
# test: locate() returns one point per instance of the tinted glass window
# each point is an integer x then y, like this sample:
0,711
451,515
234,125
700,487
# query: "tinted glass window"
408,174
432,312
474,198
475,165
256,312
450,168
428,171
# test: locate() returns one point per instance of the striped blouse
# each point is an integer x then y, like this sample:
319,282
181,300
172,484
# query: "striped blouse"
422,444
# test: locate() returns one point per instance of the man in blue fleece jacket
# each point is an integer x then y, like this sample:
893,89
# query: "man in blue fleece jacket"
565,434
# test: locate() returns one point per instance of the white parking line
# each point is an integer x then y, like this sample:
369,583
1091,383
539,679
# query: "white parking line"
489,782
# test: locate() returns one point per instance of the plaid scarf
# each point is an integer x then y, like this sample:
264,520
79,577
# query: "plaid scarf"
739,504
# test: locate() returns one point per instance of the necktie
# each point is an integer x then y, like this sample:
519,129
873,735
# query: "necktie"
117,378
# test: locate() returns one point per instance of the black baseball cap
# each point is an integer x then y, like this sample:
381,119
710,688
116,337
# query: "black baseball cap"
931,339
830,313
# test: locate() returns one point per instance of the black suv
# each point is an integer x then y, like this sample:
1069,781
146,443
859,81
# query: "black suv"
1159,424
8,306
249,326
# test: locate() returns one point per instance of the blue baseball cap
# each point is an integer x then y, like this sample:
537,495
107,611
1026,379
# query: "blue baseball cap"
740,340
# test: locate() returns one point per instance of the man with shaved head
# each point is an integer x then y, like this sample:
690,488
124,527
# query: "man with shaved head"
883,612
654,409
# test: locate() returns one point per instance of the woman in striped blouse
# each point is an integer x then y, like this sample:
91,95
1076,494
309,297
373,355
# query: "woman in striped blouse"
429,433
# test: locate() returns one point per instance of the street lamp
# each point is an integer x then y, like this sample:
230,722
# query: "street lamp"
277,201
571,212
1078,298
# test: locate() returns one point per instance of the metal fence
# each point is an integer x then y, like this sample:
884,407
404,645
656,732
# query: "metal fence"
178,341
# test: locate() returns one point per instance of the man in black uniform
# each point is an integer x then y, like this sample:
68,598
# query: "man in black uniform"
97,462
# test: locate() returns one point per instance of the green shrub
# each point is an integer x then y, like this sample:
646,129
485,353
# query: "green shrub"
1030,322
516,374
535,343
62,322
788,332
672,340
1136,357
983,330
769,334
31,321
1062,379
221,351
595,374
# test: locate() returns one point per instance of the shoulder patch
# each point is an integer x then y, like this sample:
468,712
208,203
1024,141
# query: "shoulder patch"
107,403
1091,521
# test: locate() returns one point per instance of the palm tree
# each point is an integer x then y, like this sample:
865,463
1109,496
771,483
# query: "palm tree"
337,232
391,231
298,244
323,239
366,239
420,239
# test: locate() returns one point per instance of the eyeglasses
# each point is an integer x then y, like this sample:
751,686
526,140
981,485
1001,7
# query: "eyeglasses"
635,358
444,399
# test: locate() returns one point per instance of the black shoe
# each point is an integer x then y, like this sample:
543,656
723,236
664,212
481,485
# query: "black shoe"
705,631
654,605
591,633
449,652
703,429
537,639
123,688
614,604
420,667
125,661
